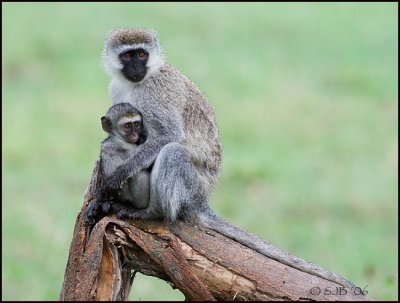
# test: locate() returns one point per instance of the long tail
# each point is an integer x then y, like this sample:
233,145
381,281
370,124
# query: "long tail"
212,221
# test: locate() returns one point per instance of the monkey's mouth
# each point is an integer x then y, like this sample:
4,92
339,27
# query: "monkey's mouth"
134,74
133,138
136,78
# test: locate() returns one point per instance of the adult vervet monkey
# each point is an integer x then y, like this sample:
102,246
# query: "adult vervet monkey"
183,142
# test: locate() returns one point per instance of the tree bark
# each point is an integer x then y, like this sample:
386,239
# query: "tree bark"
202,264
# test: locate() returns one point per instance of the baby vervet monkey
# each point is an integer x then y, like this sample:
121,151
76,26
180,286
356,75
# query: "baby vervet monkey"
124,126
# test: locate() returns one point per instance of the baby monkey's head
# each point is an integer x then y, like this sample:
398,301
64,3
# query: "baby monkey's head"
124,121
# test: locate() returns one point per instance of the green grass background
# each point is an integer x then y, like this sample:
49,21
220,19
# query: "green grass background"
306,98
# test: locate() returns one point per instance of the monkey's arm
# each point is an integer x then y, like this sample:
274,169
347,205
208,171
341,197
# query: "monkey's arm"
143,158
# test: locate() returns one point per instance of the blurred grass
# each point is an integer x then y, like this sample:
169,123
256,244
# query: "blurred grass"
306,98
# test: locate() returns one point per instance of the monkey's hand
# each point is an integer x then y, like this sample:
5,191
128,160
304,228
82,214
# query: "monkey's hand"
119,177
91,213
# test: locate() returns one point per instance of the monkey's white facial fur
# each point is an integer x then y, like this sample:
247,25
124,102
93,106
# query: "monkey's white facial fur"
122,40
137,119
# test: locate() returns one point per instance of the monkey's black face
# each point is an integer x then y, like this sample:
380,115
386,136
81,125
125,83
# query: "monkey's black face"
134,64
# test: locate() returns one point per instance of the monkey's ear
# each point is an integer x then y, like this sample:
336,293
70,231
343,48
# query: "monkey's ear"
106,123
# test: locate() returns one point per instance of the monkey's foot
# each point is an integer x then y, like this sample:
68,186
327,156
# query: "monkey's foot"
122,211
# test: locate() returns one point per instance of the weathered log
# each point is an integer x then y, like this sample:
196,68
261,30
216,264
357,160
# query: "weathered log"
202,264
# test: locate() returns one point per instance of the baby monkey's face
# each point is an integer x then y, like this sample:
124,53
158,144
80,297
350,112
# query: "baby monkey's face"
128,126
131,128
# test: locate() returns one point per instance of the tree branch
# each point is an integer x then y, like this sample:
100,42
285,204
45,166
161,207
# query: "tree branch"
202,264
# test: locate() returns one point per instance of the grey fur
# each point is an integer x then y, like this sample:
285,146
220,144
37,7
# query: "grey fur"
183,144
182,134
115,151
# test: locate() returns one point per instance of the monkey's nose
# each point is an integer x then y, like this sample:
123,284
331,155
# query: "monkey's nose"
133,138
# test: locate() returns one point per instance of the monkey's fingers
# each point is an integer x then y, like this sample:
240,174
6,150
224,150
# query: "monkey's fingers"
91,213
122,211
122,214
89,219
114,182
105,206
117,179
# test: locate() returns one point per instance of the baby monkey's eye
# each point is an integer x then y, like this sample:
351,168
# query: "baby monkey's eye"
128,125
136,124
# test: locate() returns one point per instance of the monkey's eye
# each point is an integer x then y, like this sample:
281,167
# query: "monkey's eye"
128,125
136,124
142,55
127,56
